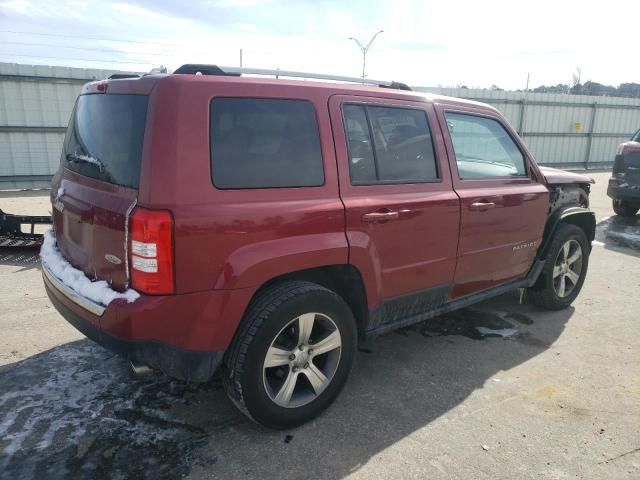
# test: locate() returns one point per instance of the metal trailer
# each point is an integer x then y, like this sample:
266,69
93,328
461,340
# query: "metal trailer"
12,235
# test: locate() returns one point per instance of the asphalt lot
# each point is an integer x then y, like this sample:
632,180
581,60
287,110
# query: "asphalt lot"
543,395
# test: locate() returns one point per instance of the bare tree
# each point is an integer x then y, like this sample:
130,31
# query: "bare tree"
576,78
576,81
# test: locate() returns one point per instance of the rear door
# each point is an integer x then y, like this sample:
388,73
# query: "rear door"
97,184
503,205
401,212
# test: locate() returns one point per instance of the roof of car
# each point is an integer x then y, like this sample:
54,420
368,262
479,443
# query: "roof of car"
145,83
340,88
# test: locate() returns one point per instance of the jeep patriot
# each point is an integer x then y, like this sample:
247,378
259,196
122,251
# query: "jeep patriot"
208,221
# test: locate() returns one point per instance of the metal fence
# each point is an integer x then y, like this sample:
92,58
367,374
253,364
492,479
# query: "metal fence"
567,131
35,105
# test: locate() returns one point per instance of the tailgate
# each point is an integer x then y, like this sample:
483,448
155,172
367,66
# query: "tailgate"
90,219
631,165
97,185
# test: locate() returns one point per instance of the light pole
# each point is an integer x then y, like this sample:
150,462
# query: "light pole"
365,49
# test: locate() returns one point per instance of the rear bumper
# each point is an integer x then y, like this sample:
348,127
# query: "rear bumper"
182,364
184,336
618,189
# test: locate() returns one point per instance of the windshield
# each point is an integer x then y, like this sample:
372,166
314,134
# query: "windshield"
104,138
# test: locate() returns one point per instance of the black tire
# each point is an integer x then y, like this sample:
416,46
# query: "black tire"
544,293
269,313
624,209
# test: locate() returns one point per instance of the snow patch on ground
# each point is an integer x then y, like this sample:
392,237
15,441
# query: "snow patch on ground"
626,235
73,412
98,291
619,231
503,332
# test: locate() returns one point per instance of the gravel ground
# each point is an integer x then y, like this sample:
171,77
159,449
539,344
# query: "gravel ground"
557,397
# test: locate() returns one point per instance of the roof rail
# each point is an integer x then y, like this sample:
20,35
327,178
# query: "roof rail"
202,69
237,71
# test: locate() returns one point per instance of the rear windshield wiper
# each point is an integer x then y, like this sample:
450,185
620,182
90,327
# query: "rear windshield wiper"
74,157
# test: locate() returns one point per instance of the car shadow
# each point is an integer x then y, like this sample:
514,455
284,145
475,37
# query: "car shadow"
76,412
27,258
621,234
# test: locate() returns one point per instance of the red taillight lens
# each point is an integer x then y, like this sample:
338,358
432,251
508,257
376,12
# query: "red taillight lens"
151,251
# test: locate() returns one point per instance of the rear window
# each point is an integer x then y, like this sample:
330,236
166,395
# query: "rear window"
105,136
389,145
264,143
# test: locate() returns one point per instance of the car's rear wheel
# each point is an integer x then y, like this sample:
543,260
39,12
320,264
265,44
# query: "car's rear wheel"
292,355
564,271
624,209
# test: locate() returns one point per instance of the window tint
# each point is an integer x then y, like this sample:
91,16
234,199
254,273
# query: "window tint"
483,148
104,138
636,137
264,143
361,162
389,145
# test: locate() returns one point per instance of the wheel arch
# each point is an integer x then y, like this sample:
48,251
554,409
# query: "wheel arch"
581,217
344,279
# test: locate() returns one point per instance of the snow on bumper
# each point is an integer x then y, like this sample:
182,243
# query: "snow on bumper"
77,284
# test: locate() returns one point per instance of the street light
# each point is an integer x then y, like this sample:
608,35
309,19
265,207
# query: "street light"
365,49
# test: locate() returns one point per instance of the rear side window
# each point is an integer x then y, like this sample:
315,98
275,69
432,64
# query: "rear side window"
264,143
104,138
483,148
636,137
389,145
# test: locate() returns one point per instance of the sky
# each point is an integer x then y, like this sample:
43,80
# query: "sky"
424,43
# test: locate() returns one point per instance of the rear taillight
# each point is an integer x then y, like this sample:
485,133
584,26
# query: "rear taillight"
151,251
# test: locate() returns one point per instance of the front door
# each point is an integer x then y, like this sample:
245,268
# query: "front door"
402,215
503,204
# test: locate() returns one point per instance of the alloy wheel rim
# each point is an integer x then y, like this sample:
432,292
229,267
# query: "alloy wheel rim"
302,360
567,268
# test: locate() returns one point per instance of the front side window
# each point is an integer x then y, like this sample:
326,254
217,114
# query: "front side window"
389,145
264,143
483,148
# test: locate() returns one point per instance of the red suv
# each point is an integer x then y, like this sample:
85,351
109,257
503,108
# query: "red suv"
208,221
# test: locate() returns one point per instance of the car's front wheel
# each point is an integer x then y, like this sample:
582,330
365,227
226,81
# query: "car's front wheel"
624,209
564,271
292,354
